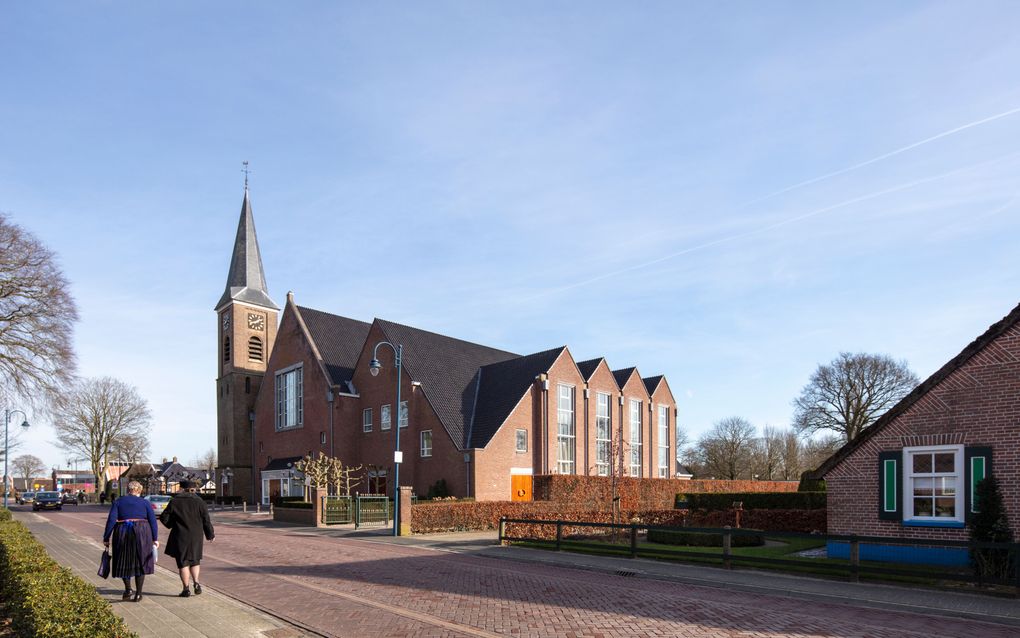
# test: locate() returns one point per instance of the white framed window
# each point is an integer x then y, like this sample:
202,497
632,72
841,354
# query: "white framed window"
933,483
565,441
663,443
603,433
403,414
636,437
426,443
366,420
384,417
289,399
521,440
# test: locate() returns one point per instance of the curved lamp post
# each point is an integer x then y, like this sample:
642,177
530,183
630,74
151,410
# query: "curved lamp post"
374,366
7,448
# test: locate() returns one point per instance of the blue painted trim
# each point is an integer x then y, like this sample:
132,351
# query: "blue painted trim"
904,554
951,524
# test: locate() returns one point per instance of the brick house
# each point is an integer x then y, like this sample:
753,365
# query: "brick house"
912,473
480,419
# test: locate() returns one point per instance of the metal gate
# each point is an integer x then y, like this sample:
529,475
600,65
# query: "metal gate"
337,510
360,509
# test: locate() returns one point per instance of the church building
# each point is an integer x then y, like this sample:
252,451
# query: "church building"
478,420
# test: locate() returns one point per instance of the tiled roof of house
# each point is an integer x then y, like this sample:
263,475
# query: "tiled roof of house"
588,367
281,463
500,387
652,382
994,331
338,339
446,368
623,375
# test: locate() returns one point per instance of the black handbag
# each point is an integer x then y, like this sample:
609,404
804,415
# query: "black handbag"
104,565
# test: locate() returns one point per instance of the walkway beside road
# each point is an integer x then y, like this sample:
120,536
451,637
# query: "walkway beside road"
160,613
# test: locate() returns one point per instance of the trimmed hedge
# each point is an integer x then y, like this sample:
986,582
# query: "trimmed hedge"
596,492
695,539
754,501
44,599
295,505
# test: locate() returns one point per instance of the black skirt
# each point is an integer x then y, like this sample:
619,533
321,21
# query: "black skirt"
132,549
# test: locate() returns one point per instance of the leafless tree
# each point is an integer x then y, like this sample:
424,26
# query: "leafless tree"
792,456
27,466
767,454
818,449
850,393
206,460
95,415
725,451
37,314
131,447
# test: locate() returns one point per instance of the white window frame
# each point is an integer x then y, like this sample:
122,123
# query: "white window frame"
637,434
517,440
289,398
403,414
426,448
385,417
566,429
603,433
366,420
909,477
663,441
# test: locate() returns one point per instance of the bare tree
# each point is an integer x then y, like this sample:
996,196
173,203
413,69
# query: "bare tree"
818,449
131,447
791,456
37,314
767,454
850,393
725,450
27,466
95,416
206,461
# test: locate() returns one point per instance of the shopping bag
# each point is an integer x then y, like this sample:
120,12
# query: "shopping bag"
104,565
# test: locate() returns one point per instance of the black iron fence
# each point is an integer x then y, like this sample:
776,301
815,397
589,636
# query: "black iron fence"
360,509
926,562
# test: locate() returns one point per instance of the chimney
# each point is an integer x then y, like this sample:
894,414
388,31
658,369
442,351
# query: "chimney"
175,459
164,459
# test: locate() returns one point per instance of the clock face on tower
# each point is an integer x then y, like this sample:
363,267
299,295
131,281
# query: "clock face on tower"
256,322
226,322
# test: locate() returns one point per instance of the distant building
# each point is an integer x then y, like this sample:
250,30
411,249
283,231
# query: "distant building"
479,420
161,478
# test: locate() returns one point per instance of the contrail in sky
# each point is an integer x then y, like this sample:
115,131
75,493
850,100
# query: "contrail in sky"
884,156
779,224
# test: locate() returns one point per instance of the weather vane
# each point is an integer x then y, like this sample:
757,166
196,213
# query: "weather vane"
245,171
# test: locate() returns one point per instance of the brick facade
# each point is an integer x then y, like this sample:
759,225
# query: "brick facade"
973,401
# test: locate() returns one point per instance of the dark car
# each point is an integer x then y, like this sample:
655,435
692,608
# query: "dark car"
68,498
47,501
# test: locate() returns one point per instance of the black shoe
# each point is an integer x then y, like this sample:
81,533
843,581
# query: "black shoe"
138,596
198,589
126,595
185,593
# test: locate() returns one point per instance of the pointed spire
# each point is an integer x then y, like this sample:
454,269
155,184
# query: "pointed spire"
246,280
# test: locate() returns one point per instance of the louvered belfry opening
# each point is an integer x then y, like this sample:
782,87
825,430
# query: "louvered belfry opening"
255,349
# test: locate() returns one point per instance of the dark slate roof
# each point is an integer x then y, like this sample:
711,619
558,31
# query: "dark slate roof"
652,382
446,368
500,387
281,464
338,339
622,375
994,331
246,281
588,367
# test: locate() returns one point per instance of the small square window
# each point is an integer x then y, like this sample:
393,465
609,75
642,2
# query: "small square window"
522,440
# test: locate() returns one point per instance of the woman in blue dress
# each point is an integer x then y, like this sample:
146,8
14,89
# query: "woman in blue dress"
132,525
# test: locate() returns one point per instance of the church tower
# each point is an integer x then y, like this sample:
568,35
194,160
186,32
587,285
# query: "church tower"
246,329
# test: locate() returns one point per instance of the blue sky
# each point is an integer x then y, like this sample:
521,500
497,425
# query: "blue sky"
725,193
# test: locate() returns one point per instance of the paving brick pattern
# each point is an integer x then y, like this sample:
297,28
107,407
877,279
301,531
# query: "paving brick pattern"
364,588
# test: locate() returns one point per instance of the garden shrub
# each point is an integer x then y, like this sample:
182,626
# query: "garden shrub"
696,539
990,525
808,484
438,490
295,505
5,514
754,500
44,599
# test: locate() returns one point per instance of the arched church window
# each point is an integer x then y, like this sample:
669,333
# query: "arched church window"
226,348
255,349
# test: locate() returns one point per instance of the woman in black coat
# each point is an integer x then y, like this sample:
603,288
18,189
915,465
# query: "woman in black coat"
188,519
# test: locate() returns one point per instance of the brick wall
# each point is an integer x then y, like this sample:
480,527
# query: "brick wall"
976,405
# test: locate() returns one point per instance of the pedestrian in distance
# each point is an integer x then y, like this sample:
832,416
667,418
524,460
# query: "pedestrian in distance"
132,526
102,498
188,519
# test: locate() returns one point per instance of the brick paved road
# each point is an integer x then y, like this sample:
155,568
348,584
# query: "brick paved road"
364,588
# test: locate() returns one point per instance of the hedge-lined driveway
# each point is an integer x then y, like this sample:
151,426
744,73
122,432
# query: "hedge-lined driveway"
365,588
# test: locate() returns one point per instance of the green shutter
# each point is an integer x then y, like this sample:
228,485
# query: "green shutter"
890,498
978,466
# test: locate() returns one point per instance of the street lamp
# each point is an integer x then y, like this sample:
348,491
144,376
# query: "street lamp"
7,447
373,367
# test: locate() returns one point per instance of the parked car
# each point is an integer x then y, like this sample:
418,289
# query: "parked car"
26,497
158,502
47,501
68,498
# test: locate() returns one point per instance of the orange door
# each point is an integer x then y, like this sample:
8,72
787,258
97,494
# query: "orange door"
520,487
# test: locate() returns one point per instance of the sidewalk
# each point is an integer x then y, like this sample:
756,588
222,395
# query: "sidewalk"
989,608
160,614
